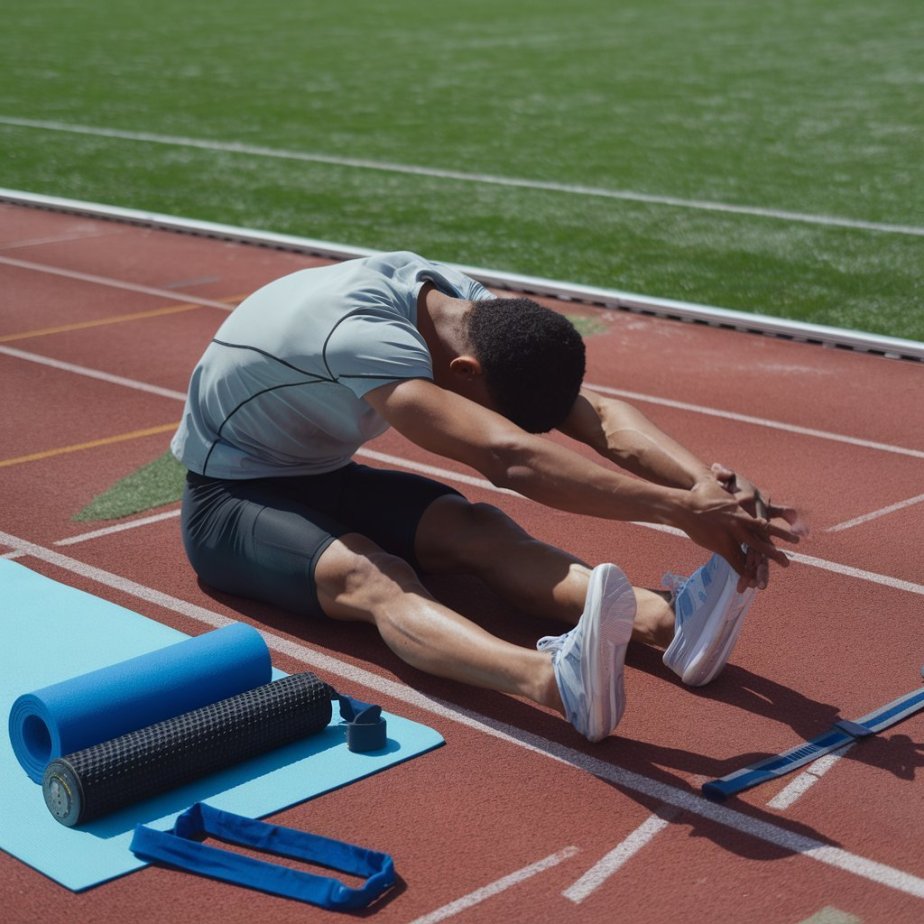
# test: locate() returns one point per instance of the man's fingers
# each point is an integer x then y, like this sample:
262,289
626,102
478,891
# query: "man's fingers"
754,502
759,535
767,512
756,571
739,559
776,531
769,550
721,472
792,516
749,578
763,574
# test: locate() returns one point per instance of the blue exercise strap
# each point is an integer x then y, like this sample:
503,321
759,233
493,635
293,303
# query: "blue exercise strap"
841,733
181,848
365,727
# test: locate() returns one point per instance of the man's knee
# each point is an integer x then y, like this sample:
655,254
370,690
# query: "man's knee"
457,533
354,577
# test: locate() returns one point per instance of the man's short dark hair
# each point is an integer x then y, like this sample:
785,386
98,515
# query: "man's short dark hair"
532,359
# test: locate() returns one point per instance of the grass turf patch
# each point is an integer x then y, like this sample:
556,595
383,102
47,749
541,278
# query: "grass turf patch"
792,106
156,484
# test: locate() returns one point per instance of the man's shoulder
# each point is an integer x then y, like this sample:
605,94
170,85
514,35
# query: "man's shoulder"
394,262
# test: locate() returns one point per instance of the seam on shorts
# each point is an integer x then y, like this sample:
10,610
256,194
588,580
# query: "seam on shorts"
312,567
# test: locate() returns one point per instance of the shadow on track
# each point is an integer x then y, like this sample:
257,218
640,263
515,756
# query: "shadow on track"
631,759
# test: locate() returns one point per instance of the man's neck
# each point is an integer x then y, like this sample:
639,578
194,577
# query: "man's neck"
441,321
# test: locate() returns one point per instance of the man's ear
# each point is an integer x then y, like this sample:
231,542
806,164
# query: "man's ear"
466,366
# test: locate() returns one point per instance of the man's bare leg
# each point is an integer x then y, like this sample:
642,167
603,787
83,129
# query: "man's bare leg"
455,536
357,581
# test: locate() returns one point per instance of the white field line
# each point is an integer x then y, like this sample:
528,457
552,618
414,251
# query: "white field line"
682,799
757,421
93,373
875,514
173,295
831,915
435,472
118,528
820,563
807,779
861,574
56,239
751,321
485,179
613,861
495,888
617,392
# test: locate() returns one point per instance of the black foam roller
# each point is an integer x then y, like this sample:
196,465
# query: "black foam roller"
102,779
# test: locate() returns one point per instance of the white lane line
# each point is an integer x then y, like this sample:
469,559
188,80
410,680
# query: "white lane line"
613,861
892,508
617,392
885,580
847,571
435,471
495,888
820,563
758,421
487,179
683,799
432,470
787,797
93,373
831,915
114,283
55,239
562,291
650,399
118,528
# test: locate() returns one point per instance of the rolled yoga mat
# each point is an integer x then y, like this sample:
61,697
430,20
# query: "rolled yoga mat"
101,779
104,704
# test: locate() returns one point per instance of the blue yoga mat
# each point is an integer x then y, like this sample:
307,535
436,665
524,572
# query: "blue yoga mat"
51,633
111,701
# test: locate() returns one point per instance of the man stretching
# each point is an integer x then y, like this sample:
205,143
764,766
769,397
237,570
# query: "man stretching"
315,364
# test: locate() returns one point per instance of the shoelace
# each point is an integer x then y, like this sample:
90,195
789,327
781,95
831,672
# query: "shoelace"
553,642
675,584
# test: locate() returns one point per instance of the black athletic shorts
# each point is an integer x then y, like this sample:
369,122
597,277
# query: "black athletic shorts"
261,538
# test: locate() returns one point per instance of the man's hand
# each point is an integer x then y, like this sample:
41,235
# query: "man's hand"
757,503
757,565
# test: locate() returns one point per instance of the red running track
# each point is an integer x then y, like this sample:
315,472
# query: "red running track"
517,818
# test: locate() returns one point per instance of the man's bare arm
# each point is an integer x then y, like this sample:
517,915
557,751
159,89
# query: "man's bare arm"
625,436
452,426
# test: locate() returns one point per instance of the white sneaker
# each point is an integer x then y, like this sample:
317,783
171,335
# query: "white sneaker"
709,613
588,660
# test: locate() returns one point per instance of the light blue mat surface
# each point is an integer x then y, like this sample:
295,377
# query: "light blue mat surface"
49,632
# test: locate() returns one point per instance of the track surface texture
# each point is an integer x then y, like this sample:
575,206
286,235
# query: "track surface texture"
516,818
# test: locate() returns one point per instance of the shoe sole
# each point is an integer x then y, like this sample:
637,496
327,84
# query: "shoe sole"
719,634
611,600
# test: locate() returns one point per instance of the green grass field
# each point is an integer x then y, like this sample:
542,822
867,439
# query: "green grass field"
516,135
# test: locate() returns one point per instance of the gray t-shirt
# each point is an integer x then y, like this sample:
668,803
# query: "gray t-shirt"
279,391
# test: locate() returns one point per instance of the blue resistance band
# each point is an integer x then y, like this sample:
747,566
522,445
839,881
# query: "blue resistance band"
365,728
841,733
181,849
